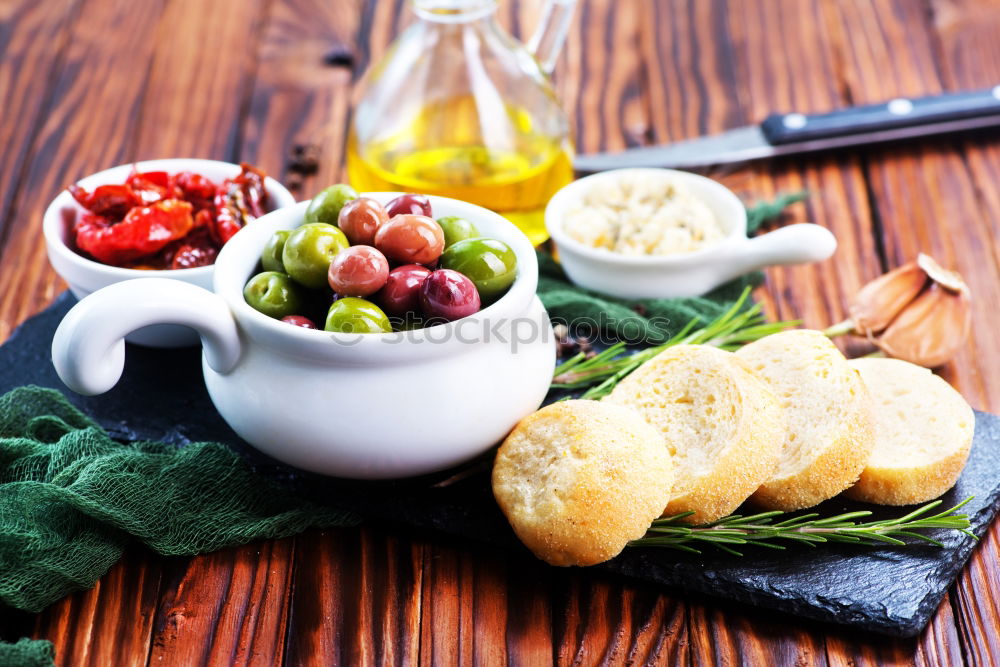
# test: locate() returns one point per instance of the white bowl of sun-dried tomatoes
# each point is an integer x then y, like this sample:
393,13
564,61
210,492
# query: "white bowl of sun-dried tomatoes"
156,218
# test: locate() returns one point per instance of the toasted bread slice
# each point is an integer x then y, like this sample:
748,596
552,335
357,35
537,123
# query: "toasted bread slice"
578,479
721,423
829,416
923,433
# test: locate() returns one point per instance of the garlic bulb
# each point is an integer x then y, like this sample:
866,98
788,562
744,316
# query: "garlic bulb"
919,312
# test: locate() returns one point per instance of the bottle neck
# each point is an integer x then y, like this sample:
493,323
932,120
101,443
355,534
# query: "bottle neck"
453,11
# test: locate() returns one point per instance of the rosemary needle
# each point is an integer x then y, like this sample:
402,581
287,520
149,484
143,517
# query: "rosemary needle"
762,530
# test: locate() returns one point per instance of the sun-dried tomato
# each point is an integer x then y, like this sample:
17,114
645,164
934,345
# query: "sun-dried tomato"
238,201
198,239
251,181
109,201
196,189
205,218
157,220
153,186
228,219
144,231
189,256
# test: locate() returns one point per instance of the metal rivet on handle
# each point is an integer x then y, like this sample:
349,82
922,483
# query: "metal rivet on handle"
794,121
900,106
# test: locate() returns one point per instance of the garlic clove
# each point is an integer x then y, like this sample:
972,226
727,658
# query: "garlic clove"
932,328
881,300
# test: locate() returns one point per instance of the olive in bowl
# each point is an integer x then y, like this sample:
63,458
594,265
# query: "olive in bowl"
489,263
274,294
456,229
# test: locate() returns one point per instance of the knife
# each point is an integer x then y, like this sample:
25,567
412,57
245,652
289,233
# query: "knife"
796,133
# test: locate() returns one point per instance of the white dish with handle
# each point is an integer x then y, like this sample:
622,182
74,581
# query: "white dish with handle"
366,406
683,274
85,275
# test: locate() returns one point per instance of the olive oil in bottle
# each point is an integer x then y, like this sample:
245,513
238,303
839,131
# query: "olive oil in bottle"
457,107
438,154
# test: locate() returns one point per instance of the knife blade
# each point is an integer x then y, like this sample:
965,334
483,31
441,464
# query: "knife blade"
797,133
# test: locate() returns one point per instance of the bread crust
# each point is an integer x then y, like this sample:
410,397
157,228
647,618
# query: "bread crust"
746,461
578,480
909,486
838,466
835,470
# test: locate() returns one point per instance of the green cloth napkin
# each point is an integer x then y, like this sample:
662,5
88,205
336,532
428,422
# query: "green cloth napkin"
27,653
71,498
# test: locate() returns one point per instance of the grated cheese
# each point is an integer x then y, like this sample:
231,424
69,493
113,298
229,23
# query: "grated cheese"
642,216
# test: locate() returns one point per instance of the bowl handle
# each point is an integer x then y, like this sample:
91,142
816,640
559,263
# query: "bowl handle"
88,349
793,244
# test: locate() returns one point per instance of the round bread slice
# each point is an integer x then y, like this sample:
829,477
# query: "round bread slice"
923,433
578,480
721,424
828,412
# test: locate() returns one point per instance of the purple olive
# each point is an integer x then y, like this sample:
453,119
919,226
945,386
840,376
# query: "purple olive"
448,295
401,293
415,204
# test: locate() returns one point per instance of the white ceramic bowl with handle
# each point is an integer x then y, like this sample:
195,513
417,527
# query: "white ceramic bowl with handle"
683,274
85,275
367,406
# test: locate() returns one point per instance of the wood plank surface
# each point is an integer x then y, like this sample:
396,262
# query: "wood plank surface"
33,41
254,79
85,106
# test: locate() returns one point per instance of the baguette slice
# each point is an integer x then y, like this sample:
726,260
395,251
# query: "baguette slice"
720,422
923,433
829,416
578,480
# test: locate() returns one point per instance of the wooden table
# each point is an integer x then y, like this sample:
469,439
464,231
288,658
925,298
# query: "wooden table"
86,84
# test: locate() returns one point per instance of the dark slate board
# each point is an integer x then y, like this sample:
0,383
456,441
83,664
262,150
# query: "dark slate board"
887,590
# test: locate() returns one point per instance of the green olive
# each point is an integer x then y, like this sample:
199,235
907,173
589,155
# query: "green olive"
490,264
274,294
354,315
271,257
325,207
456,229
309,250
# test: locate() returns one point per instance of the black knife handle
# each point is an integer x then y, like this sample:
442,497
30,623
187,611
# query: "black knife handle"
900,112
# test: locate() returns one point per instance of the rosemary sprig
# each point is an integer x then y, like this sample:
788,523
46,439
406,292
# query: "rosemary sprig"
763,530
603,371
